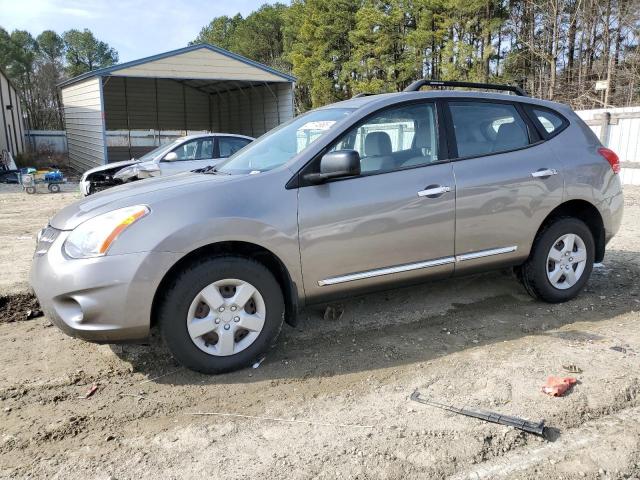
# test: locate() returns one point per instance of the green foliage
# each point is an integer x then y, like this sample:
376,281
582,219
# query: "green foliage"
382,59
37,65
220,32
336,48
321,50
84,52
259,36
51,45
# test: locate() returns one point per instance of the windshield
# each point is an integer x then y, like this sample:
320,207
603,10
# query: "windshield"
284,142
153,153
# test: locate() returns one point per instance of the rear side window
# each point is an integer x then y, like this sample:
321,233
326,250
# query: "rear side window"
230,145
551,122
483,128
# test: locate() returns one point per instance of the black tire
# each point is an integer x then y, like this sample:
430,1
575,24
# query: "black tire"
533,273
30,190
177,297
54,188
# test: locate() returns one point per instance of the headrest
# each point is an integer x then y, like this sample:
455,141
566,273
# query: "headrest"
423,136
510,136
376,144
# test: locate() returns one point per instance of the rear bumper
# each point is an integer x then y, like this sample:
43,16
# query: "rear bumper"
613,215
106,299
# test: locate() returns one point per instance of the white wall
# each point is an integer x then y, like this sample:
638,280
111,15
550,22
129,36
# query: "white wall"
83,120
11,125
621,134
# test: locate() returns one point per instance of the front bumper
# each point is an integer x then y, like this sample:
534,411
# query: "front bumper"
106,299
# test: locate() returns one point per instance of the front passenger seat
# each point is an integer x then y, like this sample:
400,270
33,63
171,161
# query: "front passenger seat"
509,137
377,151
422,145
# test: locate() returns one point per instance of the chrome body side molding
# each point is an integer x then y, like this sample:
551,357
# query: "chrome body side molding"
386,271
414,266
485,253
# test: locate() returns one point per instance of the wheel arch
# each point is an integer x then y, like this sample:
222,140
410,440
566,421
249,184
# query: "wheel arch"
589,214
242,249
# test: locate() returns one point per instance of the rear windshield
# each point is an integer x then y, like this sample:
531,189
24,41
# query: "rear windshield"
281,144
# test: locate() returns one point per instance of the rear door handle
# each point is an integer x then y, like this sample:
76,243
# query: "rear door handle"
433,191
544,172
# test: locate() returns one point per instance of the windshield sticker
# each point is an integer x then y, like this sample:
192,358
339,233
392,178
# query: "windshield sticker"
320,125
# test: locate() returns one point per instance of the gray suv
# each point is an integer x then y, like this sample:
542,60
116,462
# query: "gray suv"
370,193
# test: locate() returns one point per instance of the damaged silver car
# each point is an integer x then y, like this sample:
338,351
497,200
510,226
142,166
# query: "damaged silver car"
182,155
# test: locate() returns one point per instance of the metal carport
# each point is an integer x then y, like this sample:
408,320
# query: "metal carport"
123,111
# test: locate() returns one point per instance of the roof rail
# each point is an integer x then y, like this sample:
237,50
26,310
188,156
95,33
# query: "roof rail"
418,84
363,94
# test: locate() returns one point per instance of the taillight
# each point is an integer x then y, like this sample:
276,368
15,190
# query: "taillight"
611,157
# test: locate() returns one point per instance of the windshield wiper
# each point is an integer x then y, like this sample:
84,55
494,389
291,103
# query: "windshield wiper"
209,169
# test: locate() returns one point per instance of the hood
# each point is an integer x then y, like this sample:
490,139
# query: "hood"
109,166
143,192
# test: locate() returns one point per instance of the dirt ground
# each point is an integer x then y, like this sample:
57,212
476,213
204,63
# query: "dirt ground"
21,217
333,397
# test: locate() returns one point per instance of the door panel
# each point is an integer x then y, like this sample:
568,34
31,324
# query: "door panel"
501,198
374,226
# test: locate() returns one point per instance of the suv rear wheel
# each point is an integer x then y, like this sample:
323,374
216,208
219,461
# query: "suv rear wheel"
221,314
560,262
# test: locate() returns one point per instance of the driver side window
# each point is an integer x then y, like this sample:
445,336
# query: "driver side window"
395,138
198,149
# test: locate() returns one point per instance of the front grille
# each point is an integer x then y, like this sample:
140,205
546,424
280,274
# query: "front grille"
46,237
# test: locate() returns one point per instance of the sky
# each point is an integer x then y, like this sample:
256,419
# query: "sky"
135,28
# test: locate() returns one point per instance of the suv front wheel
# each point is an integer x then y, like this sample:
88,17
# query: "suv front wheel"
560,262
221,314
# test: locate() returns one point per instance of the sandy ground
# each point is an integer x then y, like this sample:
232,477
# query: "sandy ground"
335,392
21,217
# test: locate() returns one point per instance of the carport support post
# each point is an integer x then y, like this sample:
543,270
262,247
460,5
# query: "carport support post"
210,113
157,110
253,131
219,108
264,120
184,108
126,111
229,104
276,99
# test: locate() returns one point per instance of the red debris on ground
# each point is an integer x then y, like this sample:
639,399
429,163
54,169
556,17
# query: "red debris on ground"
92,390
558,386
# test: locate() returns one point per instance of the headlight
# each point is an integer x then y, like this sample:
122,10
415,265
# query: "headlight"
94,237
126,173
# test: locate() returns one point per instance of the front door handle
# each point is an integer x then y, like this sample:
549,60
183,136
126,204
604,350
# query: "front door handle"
434,191
544,172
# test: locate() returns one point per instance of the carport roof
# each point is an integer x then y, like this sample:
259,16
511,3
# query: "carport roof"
206,46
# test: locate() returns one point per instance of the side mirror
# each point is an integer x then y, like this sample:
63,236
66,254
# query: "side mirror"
170,157
338,164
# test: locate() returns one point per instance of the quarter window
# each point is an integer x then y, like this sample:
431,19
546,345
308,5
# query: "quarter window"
550,121
396,138
483,128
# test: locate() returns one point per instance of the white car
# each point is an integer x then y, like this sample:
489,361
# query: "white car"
182,155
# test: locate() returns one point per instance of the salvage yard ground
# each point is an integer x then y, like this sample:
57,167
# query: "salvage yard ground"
341,384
